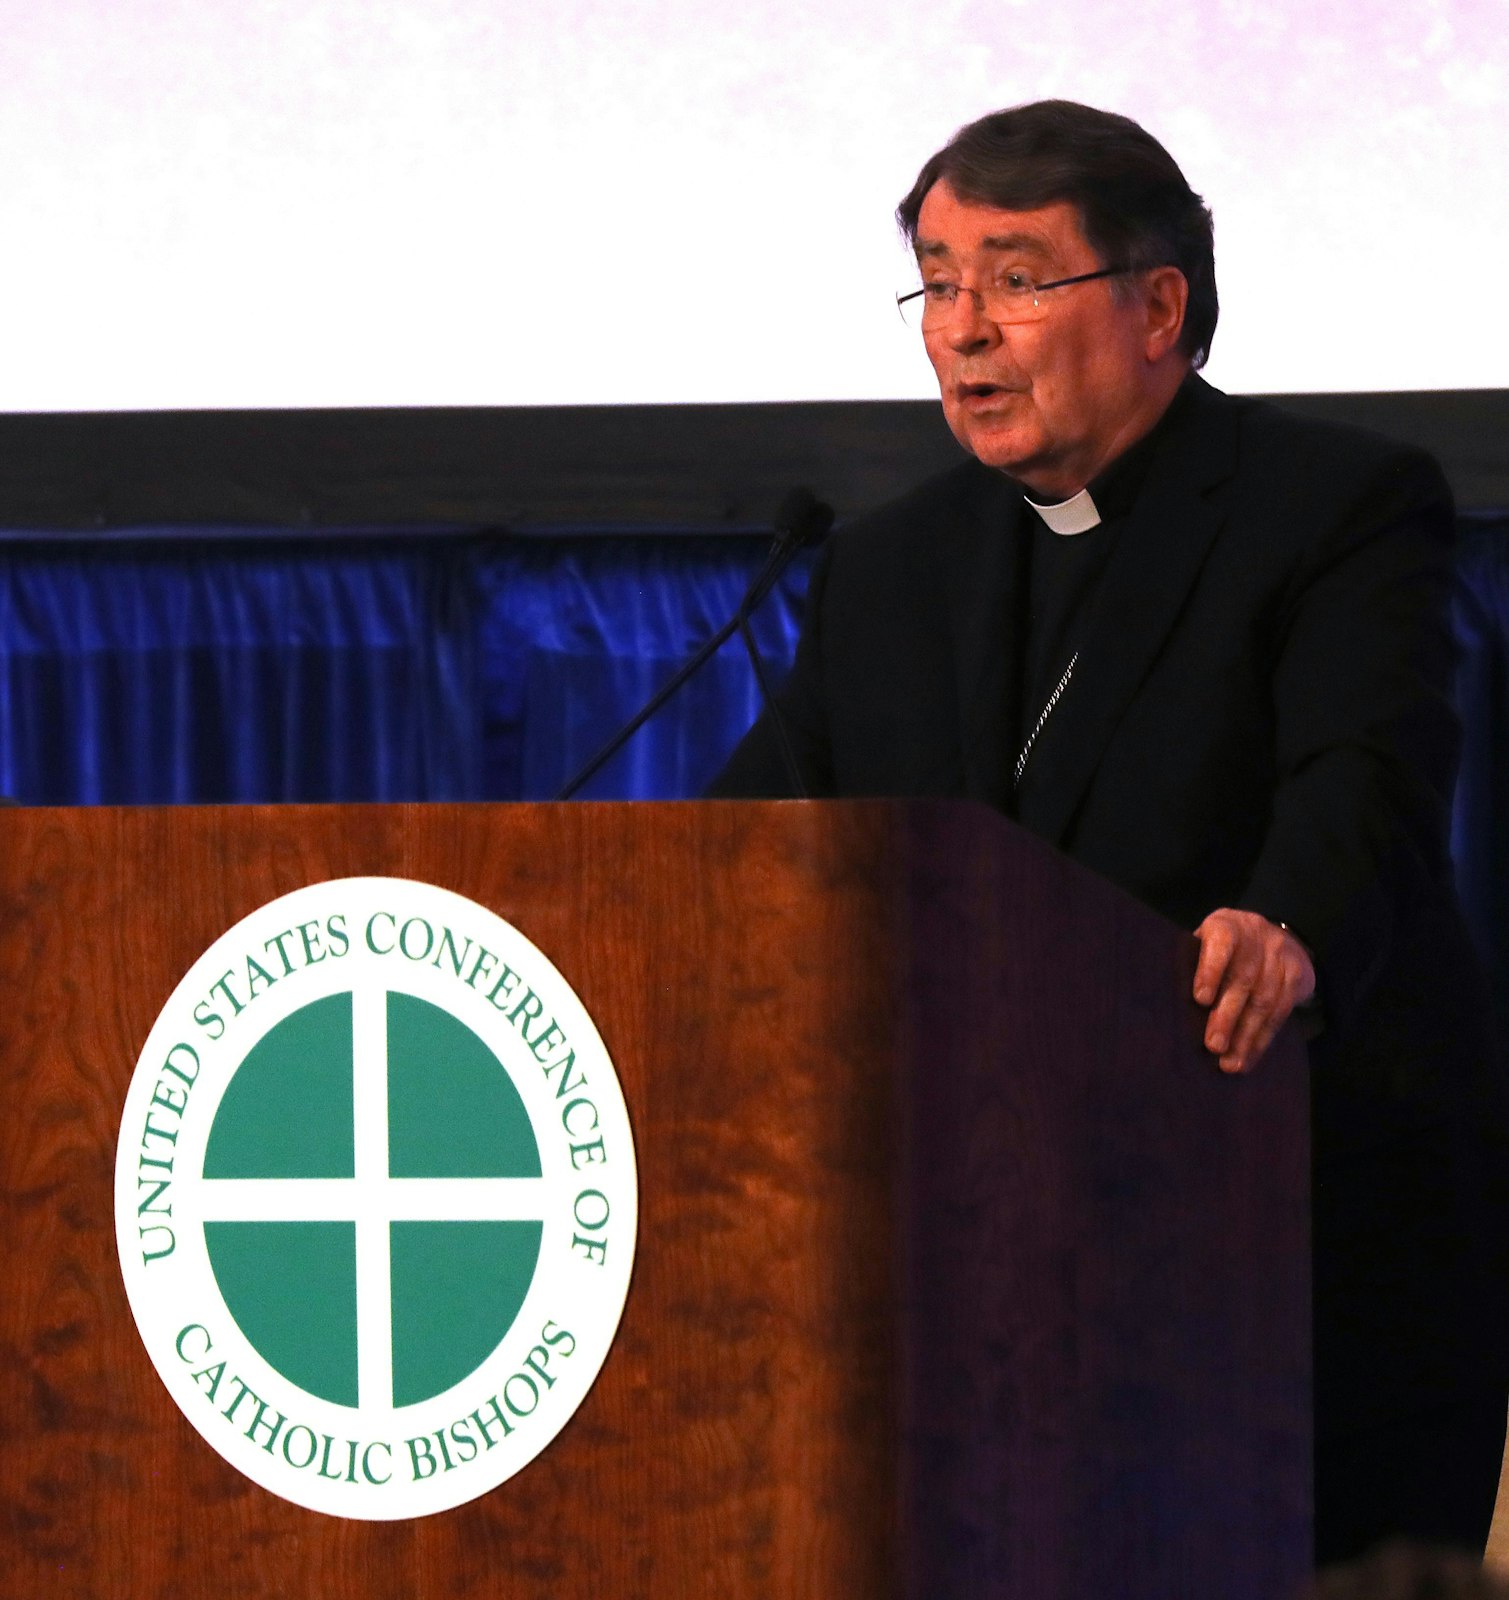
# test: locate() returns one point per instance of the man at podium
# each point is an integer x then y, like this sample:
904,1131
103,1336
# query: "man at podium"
1200,645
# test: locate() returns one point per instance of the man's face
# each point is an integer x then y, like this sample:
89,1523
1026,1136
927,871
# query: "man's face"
1050,401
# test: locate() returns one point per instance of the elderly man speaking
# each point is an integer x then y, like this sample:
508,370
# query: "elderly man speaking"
1201,646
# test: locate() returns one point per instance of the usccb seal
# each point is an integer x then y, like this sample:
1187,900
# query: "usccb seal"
375,1198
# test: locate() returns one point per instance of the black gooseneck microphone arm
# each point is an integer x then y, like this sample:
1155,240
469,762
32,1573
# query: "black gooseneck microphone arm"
788,755
802,520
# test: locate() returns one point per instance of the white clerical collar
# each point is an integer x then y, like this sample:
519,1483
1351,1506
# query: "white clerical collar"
1075,515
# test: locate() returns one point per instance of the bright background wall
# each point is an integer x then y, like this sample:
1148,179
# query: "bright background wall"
291,203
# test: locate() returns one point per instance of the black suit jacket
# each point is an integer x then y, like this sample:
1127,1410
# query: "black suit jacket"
1259,717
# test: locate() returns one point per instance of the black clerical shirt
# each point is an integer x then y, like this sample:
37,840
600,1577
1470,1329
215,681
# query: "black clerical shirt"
1063,571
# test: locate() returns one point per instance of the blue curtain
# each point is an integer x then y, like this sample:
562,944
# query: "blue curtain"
1480,831
427,665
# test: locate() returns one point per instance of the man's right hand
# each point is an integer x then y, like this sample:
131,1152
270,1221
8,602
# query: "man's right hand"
1252,973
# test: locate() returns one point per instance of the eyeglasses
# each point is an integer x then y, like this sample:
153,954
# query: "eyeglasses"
1013,297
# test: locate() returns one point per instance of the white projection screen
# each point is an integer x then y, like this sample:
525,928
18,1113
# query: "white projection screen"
307,203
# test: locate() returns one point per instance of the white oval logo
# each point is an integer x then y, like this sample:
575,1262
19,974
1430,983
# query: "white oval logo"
376,1198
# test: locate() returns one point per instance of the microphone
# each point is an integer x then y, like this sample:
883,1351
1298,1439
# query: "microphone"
801,520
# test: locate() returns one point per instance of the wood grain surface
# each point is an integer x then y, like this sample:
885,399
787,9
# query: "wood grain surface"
959,1271
1106,1304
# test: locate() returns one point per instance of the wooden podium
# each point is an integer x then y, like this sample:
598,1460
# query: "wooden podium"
961,1271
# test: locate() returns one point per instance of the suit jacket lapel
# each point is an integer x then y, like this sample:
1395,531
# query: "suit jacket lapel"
1158,555
981,571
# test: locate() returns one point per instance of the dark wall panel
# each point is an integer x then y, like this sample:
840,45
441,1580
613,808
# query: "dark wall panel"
663,467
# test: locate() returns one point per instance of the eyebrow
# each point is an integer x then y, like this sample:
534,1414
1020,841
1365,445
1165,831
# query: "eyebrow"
1021,243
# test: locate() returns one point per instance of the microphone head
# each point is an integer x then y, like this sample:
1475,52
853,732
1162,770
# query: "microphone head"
803,519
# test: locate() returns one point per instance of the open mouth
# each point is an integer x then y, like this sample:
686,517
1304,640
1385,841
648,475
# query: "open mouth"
981,393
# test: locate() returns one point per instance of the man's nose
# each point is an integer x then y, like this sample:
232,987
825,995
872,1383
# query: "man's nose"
966,326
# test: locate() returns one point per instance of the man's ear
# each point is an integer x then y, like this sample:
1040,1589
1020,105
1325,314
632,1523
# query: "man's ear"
1165,295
